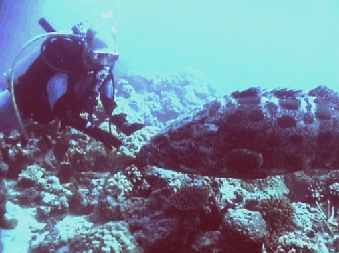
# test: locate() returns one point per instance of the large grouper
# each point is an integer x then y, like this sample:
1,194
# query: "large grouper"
252,134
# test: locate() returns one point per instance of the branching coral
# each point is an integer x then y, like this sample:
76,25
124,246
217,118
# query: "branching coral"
322,195
112,237
329,215
140,185
45,189
278,214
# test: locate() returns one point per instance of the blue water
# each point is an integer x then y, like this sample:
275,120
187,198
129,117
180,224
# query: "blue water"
234,44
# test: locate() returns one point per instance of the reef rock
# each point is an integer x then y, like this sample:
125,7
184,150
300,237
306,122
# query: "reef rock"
246,226
208,242
78,235
252,134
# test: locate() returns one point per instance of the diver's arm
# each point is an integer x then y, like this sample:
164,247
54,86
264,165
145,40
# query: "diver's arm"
86,127
63,111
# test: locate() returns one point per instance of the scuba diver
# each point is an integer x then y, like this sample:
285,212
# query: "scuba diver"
66,80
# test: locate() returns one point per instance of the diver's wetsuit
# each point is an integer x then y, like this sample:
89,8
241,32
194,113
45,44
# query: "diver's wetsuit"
44,93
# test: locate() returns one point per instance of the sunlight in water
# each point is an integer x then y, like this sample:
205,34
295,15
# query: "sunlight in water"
234,44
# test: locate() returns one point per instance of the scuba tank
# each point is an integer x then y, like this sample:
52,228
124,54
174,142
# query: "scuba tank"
46,26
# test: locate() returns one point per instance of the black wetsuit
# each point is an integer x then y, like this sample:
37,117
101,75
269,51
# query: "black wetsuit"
31,90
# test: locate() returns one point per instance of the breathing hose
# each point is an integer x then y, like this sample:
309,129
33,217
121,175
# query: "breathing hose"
16,59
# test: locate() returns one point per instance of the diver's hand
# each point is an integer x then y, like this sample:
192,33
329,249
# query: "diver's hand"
86,127
106,138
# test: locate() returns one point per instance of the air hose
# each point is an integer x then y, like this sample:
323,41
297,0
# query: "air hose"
16,59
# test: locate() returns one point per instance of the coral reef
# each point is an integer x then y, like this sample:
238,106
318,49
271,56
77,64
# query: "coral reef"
110,237
278,214
90,199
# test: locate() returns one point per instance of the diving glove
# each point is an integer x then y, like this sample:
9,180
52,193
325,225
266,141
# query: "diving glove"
106,138
123,126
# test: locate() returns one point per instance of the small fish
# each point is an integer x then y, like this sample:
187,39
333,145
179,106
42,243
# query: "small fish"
252,134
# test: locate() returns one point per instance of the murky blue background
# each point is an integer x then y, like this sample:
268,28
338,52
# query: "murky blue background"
235,44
